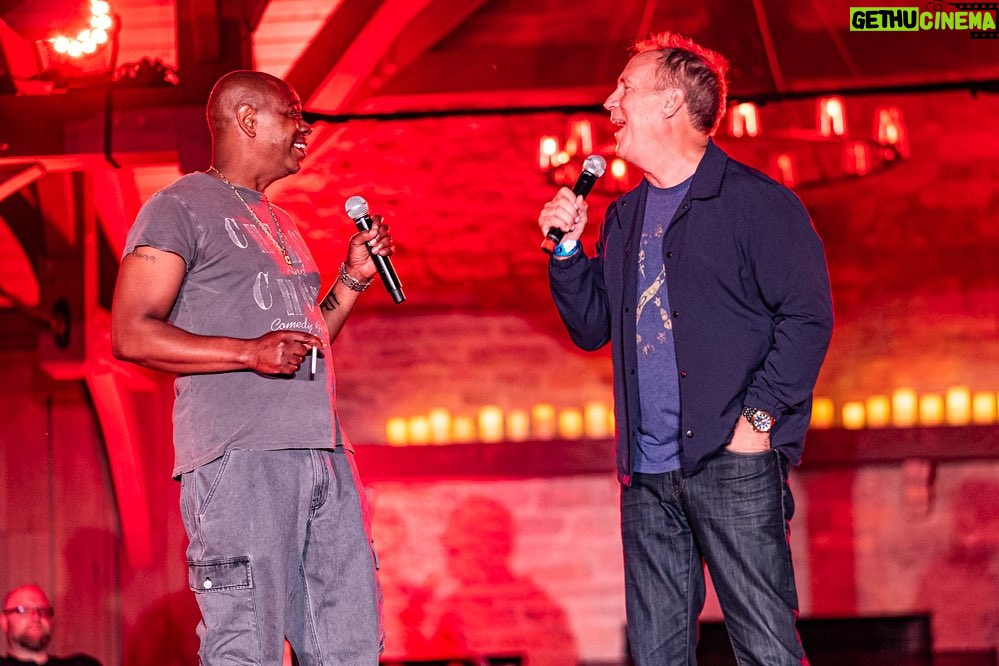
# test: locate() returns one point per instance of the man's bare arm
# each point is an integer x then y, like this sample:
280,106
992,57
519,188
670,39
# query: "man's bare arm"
149,281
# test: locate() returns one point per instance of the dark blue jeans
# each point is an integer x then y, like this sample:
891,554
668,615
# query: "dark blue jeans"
734,517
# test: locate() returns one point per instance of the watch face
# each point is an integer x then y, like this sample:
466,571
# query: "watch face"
762,421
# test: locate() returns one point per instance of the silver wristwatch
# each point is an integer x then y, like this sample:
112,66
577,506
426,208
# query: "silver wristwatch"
760,420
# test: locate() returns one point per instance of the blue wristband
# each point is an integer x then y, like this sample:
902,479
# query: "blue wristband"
567,248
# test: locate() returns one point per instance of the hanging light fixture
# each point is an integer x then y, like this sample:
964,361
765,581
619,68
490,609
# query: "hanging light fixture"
826,152
87,41
563,160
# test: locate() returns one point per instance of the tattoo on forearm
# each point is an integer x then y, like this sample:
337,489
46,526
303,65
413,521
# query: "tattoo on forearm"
139,254
330,303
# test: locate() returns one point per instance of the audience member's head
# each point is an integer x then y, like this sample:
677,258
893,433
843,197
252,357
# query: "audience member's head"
27,623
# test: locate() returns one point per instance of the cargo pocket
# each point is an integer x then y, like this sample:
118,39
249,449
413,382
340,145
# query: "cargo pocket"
224,589
232,573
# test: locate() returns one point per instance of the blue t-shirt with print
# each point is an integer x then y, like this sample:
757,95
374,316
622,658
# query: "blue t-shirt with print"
658,382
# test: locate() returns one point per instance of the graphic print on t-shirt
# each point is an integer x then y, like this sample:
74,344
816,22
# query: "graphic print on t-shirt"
652,293
279,290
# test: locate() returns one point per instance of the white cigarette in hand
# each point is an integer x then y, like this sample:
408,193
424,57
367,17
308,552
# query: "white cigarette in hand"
314,354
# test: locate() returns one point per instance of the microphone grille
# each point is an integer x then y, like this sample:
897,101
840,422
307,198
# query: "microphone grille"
595,165
356,207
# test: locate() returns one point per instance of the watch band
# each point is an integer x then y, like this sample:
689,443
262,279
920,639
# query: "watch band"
567,248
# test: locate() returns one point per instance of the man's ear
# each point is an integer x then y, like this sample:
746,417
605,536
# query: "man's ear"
673,100
246,119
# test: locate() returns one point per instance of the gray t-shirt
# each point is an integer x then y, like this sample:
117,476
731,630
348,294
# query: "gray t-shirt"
238,285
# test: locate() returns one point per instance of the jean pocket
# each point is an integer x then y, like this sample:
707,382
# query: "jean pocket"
747,454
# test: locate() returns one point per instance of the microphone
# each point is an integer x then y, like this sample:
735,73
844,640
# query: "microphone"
357,210
593,167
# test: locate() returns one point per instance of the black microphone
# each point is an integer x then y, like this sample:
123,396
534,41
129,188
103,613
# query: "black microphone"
357,210
593,167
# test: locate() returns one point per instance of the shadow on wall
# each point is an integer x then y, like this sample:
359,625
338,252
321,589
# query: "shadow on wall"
86,603
164,635
961,585
492,611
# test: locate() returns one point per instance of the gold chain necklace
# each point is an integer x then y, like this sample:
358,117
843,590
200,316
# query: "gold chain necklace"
279,242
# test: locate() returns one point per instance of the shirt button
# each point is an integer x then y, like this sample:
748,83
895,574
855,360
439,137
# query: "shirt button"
689,434
207,584
627,309
631,372
683,374
675,314
669,254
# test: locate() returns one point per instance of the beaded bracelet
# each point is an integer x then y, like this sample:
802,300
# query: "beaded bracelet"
352,282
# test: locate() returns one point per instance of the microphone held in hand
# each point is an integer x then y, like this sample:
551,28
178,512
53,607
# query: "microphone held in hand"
593,168
357,210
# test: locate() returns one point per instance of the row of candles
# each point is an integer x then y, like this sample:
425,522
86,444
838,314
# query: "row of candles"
906,408
493,424
903,408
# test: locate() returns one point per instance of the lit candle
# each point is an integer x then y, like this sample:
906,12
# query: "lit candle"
958,401
440,425
595,420
543,421
983,407
570,424
518,425
462,429
395,431
878,411
931,409
490,424
853,415
823,413
419,430
904,408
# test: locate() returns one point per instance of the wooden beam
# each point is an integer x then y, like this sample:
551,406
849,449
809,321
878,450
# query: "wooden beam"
398,35
213,38
328,47
15,176
119,424
68,132
524,100
508,77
